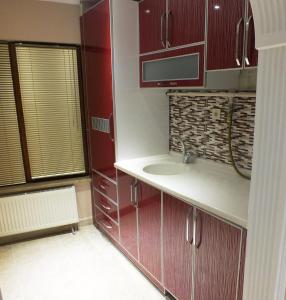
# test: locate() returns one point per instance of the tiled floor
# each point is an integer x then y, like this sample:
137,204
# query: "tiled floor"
85,266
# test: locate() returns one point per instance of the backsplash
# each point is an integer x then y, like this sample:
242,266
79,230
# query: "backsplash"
191,119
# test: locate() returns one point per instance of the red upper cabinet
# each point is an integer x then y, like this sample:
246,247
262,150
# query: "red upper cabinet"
96,46
251,54
186,22
152,18
225,34
149,228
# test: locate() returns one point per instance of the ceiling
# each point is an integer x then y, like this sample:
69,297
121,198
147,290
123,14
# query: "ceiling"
64,1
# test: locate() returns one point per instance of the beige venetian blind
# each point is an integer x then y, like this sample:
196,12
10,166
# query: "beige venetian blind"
51,107
11,161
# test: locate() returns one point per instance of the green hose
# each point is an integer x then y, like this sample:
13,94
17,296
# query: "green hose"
230,121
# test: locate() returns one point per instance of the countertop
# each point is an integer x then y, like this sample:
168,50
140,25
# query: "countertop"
211,186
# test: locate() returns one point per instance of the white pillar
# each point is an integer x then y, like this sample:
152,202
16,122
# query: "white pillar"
265,277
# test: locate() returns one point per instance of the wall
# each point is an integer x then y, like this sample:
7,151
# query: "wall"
38,21
191,118
141,115
83,197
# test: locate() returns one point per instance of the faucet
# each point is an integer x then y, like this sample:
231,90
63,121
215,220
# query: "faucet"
188,157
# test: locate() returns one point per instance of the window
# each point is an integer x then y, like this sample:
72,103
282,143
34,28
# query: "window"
11,161
47,80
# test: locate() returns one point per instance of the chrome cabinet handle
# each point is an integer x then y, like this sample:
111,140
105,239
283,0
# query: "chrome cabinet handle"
246,40
168,43
188,230
198,225
105,207
102,186
106,225
109,133
162,23
237,42
131,192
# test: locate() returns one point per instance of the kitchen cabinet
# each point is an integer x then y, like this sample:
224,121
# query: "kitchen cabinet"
186,22
251,54
170,23
231,35
217,258
177,247
225,34
174,68
97,63
202,254
149,228
152,19
140,222
127,214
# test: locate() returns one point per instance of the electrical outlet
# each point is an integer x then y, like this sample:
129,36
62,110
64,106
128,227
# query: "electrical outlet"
216,114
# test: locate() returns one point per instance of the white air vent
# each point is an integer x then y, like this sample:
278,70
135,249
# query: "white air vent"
100,124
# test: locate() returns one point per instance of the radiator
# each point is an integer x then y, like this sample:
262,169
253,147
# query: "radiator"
37,210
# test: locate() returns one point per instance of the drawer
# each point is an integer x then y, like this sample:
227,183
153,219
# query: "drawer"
106,224
105,205
105,186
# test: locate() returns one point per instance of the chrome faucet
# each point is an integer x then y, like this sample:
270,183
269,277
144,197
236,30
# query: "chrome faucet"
188,156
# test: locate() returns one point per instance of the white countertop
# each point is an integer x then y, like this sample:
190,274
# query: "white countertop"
208,185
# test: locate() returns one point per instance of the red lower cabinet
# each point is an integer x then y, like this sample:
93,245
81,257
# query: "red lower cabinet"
127,214
177,247
217,259
106,224
149,228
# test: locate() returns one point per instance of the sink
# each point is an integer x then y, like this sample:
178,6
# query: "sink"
165,169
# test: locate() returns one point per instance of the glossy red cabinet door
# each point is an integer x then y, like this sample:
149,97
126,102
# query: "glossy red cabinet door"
186,22
251,54
152,18
127,214
149,228
96,50
217,258
177,248
225,34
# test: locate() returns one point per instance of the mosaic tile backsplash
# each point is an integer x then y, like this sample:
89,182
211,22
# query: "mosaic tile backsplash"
191,118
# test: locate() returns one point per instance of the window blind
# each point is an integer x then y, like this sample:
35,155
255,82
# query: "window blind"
11,161
50,95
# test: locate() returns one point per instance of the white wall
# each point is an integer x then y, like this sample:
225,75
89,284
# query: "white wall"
39,21
142,115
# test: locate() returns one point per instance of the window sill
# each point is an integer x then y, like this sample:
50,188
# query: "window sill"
37,186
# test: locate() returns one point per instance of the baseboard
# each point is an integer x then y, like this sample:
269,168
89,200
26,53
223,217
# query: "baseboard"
85,221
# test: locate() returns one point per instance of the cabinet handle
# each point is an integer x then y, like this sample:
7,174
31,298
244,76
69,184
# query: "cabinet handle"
162,23
168,43
107,226
105,207
188,230
246,40
198,225
109,133
131,192
237,42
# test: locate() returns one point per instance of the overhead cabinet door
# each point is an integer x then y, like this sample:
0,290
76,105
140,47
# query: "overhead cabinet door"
186,22
225,34
152,18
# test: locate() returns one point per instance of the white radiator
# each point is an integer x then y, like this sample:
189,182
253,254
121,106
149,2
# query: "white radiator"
37,210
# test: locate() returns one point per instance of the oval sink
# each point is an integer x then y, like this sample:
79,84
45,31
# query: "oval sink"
164,169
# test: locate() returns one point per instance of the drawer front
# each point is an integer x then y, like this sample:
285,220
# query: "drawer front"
105,205
105,186
106,224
